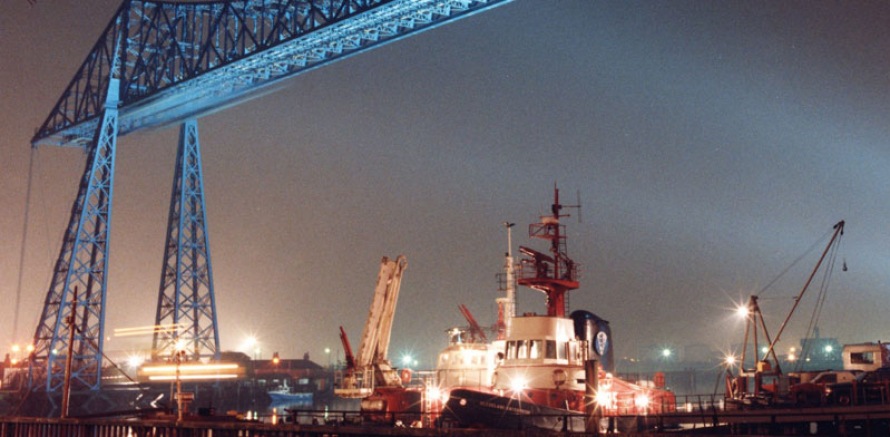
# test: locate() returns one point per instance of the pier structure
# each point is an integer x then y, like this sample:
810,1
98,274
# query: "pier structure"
699,418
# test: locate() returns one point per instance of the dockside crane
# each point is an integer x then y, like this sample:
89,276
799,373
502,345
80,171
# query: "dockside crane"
371,368
767,366
369,375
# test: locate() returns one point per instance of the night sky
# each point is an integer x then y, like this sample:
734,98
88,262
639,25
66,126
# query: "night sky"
712,144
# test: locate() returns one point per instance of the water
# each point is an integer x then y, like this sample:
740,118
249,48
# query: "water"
323,408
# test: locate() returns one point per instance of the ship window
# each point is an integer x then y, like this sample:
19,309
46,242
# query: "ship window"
521,350
561,348
551,349
511,350
535,348
862,358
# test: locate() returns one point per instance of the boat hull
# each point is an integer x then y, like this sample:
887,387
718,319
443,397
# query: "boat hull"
474,409
281,397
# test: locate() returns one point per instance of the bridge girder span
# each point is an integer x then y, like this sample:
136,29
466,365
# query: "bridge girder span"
185,60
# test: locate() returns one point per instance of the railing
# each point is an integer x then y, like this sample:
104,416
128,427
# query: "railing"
547,270
693,411
700,402
36,427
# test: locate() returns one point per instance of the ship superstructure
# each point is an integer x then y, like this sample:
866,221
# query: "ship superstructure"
470,358
553,367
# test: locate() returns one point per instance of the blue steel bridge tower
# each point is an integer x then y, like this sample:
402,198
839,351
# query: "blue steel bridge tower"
186,314
165,63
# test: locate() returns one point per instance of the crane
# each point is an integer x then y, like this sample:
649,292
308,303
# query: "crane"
768,365
371,368
476,332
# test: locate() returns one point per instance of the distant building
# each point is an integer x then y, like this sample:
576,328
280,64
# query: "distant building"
817,353
302,375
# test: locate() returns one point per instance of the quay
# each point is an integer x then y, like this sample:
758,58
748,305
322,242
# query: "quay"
866,420
42,427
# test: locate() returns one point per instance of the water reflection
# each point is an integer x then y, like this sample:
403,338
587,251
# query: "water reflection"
309,410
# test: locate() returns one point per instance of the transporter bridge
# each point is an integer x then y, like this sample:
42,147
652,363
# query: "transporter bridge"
161,63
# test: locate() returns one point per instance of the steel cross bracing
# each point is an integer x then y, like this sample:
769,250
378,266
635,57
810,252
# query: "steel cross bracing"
183,60
81,270
158,63
186,314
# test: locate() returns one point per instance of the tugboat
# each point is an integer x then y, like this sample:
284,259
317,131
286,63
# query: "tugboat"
470,358
555,371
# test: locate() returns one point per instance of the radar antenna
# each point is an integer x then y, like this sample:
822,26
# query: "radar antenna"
576,206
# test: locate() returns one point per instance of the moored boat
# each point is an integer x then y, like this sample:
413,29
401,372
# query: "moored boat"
287,395
554,370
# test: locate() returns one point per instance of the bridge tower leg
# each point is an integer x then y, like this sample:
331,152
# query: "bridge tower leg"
186,314
82,265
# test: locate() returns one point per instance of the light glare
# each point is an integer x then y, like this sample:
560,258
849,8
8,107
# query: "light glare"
518,384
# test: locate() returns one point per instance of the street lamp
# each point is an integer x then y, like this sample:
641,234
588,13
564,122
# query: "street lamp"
251,344
729,360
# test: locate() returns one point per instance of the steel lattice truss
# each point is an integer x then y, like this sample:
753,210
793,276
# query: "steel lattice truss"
183,60
80,271
186,315
158,63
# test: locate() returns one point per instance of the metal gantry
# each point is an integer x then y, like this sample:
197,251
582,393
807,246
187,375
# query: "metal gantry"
161,63
186,314
82,264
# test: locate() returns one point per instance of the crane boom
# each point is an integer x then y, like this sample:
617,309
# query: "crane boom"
370,367
476,332
838,231
378,329
347,349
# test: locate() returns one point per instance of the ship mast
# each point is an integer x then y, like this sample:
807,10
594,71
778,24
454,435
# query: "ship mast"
507,304
553,274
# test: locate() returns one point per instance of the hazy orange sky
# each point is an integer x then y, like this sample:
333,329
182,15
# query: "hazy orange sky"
712,143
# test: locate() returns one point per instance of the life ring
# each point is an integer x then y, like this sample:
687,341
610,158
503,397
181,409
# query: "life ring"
843,399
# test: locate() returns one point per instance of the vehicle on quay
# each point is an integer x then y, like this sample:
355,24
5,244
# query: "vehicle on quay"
866,388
